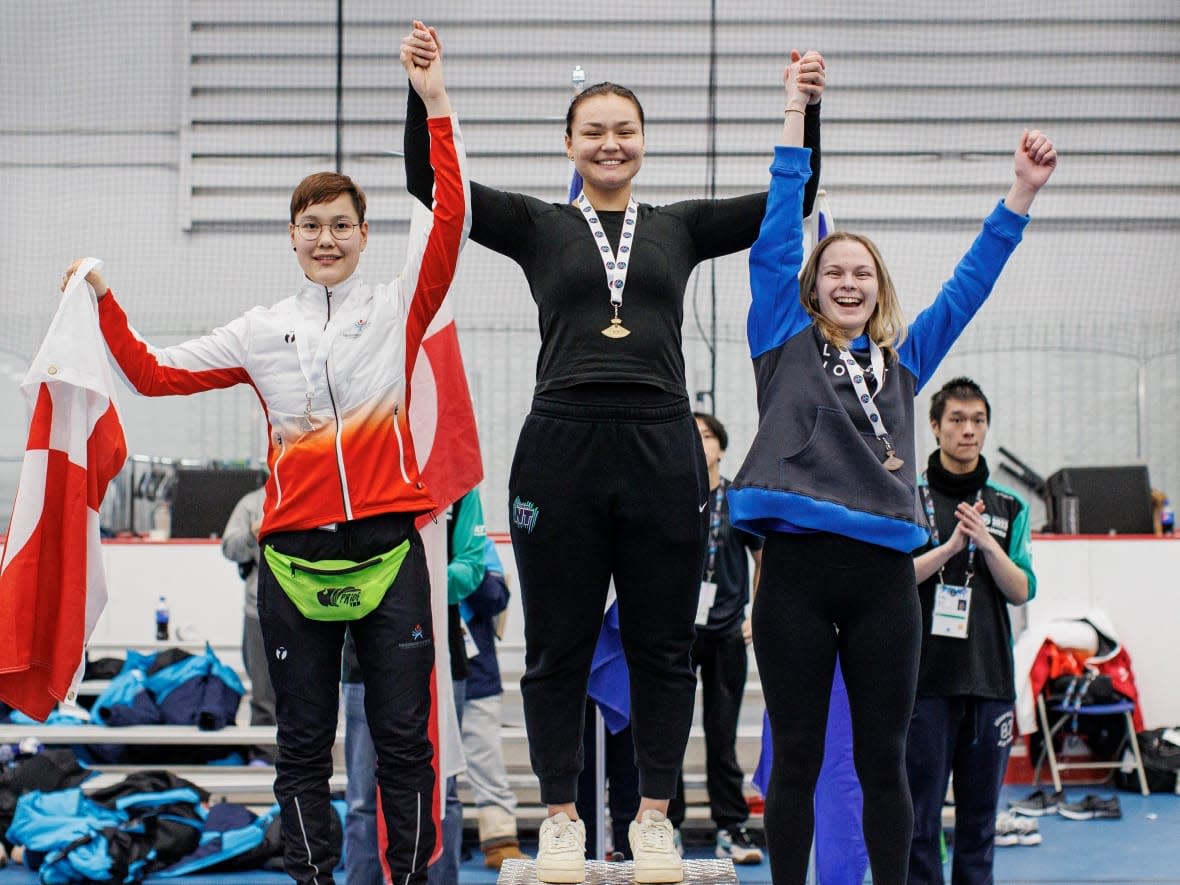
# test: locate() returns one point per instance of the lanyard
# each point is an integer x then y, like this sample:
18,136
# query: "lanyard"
928,506
315,365
714,529
615,265
877,361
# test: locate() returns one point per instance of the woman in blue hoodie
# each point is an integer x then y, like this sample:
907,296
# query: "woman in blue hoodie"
830,482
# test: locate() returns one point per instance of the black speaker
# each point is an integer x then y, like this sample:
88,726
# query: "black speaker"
1108,499
203,498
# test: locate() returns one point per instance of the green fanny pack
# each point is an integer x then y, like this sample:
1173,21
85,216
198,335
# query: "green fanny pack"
336,589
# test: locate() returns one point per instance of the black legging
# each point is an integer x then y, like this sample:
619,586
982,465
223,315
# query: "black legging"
819,594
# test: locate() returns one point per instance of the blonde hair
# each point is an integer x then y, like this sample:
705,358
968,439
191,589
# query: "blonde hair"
886,326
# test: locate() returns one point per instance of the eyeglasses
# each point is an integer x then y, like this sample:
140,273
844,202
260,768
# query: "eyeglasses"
340,230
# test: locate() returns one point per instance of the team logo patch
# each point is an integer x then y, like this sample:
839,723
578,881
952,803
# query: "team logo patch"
1004,726
524,514
357,327
339,597
997,525
417,638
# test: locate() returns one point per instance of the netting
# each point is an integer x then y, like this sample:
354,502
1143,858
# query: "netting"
165,138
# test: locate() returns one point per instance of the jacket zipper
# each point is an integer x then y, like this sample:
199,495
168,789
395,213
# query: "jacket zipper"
356,567
401,449
275,472
340,471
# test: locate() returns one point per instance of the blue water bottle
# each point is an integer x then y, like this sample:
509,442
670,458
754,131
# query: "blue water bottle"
162,619
1167,518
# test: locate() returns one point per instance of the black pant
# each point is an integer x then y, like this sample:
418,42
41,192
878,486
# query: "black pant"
721,658
598,491
971,738
395,646
820,594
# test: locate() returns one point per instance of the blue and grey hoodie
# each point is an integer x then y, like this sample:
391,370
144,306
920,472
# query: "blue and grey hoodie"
815,464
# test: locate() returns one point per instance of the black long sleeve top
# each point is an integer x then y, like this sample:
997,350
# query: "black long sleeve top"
553,246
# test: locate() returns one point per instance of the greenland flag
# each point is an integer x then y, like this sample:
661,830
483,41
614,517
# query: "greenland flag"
442,418
52,587
442,422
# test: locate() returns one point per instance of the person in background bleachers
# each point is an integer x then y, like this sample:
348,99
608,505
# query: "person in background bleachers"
239,543
482,719
723,633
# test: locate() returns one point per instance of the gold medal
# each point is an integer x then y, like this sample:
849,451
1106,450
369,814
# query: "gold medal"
616,329
892,462
615,266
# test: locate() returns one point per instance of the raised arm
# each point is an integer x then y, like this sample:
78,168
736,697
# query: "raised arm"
724,226
815,84
803,81
211,362
777,254
1036,158
434,248
935,329
422,47
421,56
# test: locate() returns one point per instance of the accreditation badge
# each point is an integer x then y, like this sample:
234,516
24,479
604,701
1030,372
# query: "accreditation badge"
705,602
952,605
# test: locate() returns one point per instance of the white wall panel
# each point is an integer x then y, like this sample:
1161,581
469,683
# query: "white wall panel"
142,118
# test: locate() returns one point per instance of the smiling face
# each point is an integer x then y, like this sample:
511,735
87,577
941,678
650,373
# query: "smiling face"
605,141
846,286
326,260
960,434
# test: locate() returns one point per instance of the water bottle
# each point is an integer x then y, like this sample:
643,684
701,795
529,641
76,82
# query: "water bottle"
162,619
1071,517
1167,518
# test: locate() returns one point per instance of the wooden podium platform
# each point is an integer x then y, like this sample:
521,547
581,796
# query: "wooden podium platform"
601,872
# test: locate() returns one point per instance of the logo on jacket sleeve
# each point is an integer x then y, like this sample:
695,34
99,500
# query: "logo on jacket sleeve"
524,514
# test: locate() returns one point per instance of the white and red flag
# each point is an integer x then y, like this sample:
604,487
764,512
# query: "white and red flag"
52,588
446,441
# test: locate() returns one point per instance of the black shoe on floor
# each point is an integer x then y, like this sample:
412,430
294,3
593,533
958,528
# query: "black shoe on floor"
1037,803
1092,808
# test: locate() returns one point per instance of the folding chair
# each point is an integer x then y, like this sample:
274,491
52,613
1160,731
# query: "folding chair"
1069,708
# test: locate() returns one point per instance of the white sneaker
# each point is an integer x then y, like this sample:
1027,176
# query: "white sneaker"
1006,829
1012,829
653,846
561,850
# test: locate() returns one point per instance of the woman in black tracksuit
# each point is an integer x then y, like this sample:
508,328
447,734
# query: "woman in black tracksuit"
609,476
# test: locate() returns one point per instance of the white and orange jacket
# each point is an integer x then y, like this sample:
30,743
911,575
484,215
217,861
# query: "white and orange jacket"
331,367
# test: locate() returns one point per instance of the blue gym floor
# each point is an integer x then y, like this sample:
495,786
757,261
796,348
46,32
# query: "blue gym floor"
1142,847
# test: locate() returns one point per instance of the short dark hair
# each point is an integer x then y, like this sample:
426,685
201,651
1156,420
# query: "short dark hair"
961,388
715,427
321,187
600,89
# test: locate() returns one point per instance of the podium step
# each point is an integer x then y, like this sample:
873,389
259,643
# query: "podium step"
600,872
